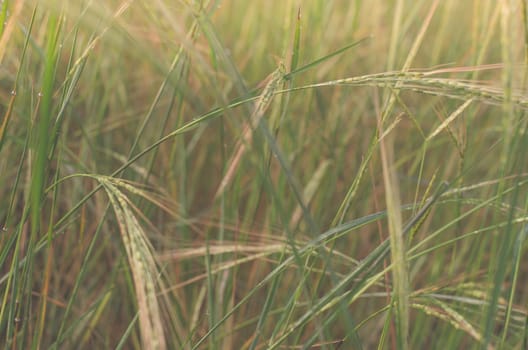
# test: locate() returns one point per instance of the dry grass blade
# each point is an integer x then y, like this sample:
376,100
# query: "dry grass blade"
449,315
10,27
142,264
261,106
452,117
422,82
223,249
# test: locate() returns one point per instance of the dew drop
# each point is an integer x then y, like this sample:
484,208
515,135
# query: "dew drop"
40,94
13,93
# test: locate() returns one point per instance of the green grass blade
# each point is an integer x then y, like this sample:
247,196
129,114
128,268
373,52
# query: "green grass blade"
323,59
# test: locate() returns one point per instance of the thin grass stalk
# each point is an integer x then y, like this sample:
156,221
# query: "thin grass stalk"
41,319
401,288
11,311
211,302
486,34
212,290
77,285
275,121
480,206
95,318
3,16
524,7
14,244
516,262
287,315
69,87
8,24
400,275
497,272
392,199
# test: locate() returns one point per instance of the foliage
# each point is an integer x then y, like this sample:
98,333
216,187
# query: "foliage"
263,174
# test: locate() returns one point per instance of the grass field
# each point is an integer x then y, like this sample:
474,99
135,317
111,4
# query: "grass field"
318,174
